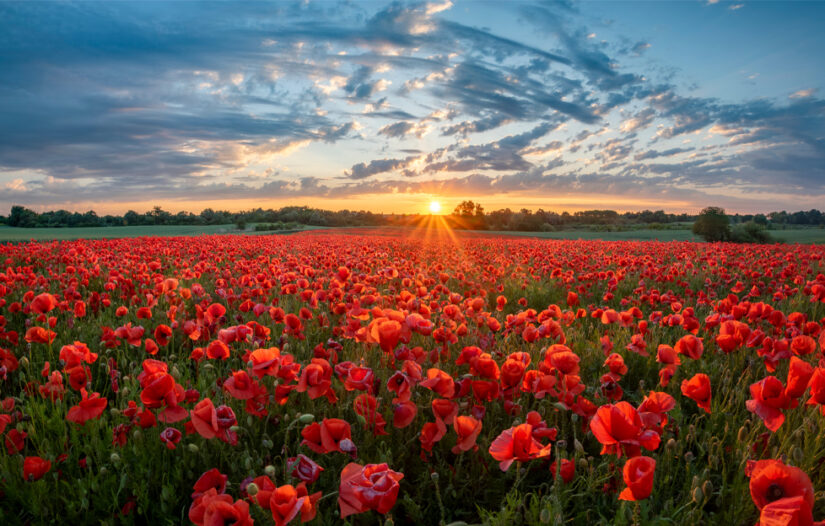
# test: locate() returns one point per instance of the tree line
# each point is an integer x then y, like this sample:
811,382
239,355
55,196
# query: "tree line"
467,215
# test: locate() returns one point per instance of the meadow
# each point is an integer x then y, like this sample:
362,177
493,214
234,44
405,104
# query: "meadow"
16,235
411,377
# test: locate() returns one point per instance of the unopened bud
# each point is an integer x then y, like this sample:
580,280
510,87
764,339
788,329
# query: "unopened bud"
252,489
434,476
114,457
697,495
306,418
578,445
670,446
544,516
742,435
689,456
269,470
707,488
193,448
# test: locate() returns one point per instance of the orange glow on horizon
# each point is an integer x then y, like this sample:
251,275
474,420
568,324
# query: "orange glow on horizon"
390,203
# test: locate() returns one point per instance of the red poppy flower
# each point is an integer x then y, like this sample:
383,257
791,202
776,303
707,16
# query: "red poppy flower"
34,468
213,509
698,389
316,380
370,487
240,385
205,419
690,346
638,476
89,408
265,362
210,479
567,470
799,374
40,335
517,444
467,428
620,430
305,469
782,490
43,303
285,504
440,382
403,414
768,399
170,436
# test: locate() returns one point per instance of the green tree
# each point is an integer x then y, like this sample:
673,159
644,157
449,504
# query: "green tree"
712,224
22,216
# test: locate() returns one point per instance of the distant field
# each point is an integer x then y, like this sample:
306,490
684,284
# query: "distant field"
799,235
48,234
631,235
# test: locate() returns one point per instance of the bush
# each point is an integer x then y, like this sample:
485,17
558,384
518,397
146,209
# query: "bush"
750,232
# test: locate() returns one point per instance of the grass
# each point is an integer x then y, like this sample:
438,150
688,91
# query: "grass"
115,232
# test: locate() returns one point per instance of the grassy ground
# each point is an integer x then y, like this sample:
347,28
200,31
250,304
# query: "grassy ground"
113,232
797,235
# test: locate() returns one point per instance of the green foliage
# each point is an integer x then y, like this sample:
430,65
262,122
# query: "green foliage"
750,232
712,224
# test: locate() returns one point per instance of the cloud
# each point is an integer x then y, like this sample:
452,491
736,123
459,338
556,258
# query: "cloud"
232,101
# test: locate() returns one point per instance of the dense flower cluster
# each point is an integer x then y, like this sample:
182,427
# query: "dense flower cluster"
291,369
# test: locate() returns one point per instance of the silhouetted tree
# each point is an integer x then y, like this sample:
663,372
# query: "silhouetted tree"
712,224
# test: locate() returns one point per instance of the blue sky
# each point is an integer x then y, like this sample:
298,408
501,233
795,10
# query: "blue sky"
386,106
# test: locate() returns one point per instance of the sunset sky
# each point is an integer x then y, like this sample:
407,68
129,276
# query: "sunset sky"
387,106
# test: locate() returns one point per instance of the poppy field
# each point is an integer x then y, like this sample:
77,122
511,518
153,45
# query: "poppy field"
330,378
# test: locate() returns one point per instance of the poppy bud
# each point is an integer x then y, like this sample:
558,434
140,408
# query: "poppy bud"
578,445
742,435
389,522
307,418
249,420
697,495
574,418
582,462
124,391
193,448
689,456
267,443
235,428
707,488
114,457
24,361
434,476
252,489
250,364
114,411
797,455
671,445
247,463
269,470
544,516
137,434
175,372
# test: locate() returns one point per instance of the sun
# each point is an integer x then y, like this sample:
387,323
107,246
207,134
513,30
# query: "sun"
435,207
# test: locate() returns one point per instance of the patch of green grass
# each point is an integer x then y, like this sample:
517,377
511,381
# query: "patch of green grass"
13,234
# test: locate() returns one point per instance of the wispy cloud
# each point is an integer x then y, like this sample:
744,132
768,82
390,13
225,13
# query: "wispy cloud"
243,101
